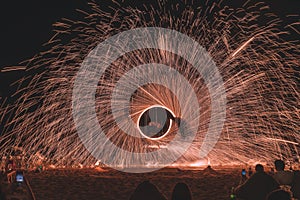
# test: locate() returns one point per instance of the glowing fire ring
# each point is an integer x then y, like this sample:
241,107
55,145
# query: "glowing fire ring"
165,133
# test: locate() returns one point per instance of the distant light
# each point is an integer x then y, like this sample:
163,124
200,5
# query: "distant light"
19,177
97,163
199,163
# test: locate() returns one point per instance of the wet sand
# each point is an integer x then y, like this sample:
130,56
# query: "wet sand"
111,185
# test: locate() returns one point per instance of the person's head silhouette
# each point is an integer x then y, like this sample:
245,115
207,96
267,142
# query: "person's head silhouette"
181,192
259,168
146,191
279,195
279,165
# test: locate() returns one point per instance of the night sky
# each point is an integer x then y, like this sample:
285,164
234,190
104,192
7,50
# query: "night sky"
27,25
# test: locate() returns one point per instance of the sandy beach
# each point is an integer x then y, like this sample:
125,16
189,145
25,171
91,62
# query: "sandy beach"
91,184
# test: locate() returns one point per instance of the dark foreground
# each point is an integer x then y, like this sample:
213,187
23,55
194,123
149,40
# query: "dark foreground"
113,185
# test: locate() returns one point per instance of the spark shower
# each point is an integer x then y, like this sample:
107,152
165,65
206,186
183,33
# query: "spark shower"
232,96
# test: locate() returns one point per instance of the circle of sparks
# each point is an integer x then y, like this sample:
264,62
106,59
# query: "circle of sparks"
101,57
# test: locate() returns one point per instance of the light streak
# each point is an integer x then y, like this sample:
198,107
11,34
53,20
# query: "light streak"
13,68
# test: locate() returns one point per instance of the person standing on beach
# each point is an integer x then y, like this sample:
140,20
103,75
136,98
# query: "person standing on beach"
250,172
282,176
279,195
295,189
258,186
2,195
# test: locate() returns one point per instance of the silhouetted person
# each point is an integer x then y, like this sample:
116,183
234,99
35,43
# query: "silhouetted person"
209,171
258,186
181,192
146,191
2,195
281,176
296,185
279,195
250,172
272,172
